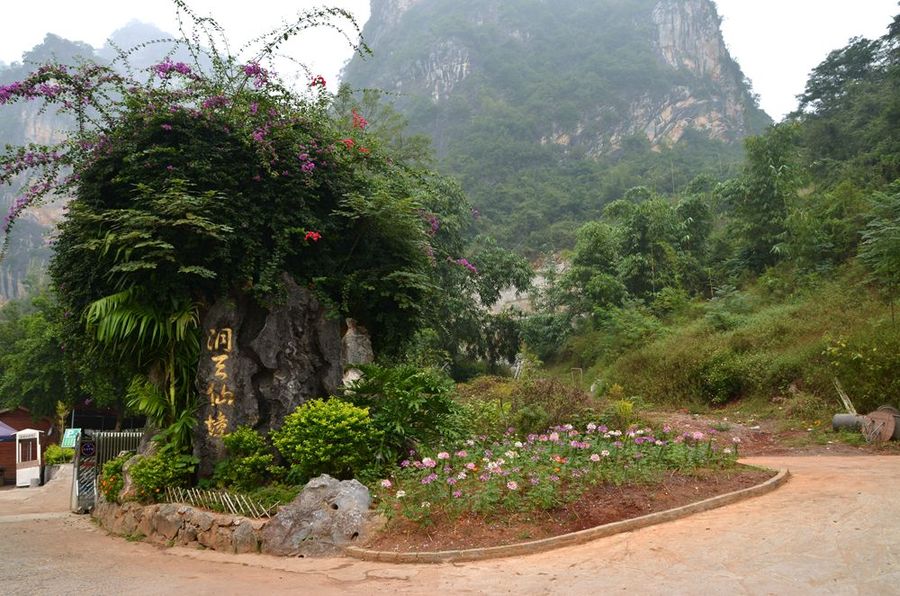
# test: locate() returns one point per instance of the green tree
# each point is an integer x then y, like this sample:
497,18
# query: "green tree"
760,197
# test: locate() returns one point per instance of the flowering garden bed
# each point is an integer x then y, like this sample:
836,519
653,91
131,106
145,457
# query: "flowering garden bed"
491,493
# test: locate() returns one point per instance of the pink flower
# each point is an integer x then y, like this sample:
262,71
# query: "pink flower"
462,453
595,457
315,237
443,455
457,494
512,485
386,483
470,466
428,462
359,121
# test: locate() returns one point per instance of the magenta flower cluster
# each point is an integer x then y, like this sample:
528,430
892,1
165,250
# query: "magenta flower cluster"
464,263
256,72
167,68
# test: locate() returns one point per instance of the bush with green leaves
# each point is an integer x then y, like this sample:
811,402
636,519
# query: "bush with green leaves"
58,455
409,406
326,437
250,462
153,474
112,479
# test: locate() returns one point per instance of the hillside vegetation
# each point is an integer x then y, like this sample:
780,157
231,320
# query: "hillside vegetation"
771,284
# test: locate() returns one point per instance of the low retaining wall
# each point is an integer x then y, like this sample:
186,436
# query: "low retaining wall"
181,524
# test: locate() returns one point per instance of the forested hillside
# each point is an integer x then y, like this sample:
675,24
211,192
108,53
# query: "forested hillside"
774,282
548,111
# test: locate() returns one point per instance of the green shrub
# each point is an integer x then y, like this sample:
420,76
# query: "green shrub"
111,478
529,405
722,378
153,474
620,414
274,494
807,407
250,463
867,364
327,437
58,455
538,404
408,406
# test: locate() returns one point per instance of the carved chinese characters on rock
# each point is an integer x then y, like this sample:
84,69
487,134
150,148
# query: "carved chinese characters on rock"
219,342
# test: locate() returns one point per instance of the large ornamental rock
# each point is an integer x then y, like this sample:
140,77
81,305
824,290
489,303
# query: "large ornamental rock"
325,516
356,348
258,364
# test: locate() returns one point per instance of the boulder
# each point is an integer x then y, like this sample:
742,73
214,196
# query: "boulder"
167,521
327,515
257,364
244,538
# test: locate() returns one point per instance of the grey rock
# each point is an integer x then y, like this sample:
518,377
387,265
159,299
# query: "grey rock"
129,490
167,521
187,535
200,519
325,516
272,360
244,538
356,346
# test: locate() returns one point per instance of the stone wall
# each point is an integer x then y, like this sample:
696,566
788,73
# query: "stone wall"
183,525
326,516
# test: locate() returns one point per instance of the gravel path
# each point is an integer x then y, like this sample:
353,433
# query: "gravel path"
833,529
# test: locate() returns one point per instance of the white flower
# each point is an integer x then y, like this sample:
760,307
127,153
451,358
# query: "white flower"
401,494
518,444
426,505
735,439
726,450
604,453
511,454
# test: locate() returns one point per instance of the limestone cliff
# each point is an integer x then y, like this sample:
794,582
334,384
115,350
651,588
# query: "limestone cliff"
557,93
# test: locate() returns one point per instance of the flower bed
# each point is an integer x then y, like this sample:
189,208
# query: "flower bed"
542,471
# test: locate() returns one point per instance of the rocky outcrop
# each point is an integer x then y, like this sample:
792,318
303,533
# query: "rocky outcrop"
327,515
709,95
258,364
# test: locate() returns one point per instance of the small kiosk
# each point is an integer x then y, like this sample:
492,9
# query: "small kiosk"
28,457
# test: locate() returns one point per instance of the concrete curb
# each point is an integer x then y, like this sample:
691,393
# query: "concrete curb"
571,539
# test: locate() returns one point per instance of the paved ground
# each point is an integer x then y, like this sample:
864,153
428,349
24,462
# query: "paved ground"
833,529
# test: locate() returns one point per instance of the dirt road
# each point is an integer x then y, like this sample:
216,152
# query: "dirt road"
833,529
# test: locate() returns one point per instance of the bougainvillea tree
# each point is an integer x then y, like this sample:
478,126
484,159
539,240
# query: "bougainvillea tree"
197,179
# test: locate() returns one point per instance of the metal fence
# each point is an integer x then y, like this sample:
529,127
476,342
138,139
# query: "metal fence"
92,450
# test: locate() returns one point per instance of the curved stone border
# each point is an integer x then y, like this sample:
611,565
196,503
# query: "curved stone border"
573,538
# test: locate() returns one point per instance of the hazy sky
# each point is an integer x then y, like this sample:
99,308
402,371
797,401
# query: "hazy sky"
776,42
